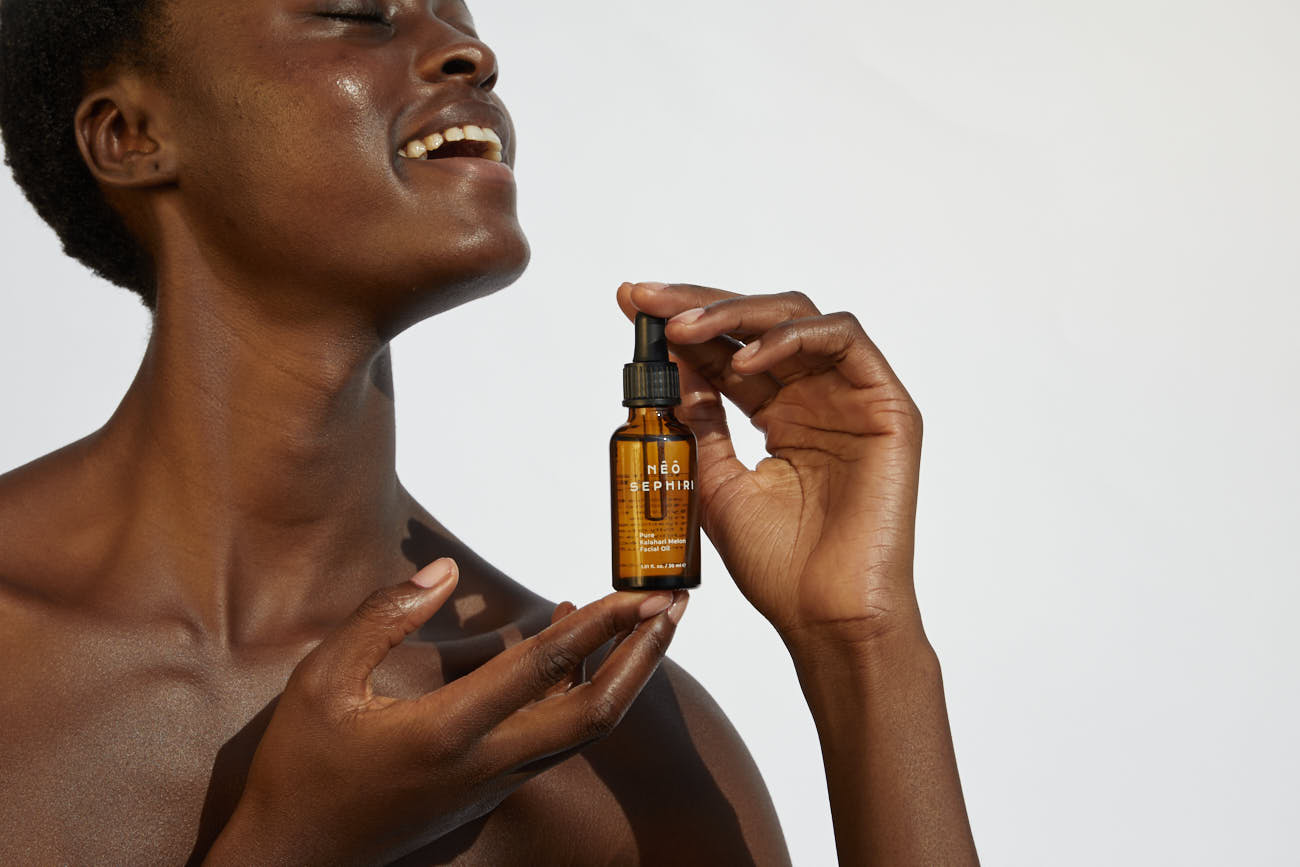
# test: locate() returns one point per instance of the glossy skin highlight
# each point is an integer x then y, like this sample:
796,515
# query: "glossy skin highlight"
235,637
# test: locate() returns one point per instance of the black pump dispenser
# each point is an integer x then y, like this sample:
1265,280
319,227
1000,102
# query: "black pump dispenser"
650,379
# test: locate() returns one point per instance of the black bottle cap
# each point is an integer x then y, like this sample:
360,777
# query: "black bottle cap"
650,379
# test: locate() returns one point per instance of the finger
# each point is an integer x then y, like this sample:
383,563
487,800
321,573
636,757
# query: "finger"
634,658
618,639
579,674
545,763
820,342
743,318
563,610
342,663
475,703
712,358
537,766
703,411
702,408
614,643
593,709
668,299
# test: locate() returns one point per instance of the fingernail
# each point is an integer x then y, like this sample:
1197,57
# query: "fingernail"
654,605
679,608
436,573
686,317
653,286
747,350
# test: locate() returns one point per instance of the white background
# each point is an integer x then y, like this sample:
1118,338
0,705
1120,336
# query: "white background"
1073,228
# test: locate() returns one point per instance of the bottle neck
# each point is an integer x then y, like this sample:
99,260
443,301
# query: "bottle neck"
650,413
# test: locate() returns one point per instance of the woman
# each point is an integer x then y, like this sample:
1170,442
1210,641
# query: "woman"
235,638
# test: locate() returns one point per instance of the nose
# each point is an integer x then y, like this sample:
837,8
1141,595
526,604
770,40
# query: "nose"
462,57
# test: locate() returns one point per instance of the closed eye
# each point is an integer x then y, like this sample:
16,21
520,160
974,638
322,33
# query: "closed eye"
369,17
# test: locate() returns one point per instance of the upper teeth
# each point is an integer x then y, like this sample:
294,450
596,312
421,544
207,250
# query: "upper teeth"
420,148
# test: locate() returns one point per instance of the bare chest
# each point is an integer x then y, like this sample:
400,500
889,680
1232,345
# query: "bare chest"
115,752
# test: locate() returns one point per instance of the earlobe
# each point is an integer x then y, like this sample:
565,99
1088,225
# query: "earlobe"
118,144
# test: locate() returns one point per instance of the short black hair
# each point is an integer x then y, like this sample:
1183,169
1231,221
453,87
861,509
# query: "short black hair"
48,51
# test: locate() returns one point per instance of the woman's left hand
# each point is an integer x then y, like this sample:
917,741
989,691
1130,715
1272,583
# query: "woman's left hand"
818,536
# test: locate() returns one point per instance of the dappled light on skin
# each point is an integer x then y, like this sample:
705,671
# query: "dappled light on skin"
511,635
469,606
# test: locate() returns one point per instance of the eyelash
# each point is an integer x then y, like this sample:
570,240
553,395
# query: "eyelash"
378,18
372,17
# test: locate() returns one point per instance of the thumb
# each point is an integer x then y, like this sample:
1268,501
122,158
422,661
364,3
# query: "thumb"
344,660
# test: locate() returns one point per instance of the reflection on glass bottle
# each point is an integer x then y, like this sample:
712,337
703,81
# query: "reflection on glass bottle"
656,504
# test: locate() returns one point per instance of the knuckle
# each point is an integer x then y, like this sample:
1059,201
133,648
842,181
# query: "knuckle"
600,716
845,320
909,417
898,415
442,745
553,661
785,332
609,619
797,300
911,410
384,606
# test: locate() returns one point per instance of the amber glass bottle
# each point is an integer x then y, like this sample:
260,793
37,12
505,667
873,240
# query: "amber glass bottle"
653,475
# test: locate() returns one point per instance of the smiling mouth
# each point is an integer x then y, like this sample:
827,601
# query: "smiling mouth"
455,141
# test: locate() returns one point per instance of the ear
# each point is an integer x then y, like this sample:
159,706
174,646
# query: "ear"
120,140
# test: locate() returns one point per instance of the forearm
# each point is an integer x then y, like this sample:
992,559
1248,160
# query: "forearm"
887,748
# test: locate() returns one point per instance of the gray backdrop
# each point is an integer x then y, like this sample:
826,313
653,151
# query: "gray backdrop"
1072,228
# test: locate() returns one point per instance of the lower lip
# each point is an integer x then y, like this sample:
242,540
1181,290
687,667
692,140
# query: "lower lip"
477,167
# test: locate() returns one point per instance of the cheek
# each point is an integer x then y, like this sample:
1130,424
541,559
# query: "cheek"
322,134
291,161
339,115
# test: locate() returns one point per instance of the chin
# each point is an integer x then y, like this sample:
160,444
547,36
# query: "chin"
475,271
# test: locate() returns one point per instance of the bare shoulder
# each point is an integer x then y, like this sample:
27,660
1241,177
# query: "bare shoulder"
672,784
50,520
686,781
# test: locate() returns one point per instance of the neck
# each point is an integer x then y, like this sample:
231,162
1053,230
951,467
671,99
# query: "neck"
260,461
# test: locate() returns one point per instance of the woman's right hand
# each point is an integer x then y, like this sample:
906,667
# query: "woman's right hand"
346,776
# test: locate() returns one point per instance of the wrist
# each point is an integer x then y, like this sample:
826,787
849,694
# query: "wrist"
246,840
236,844
857,639
861,656
849,684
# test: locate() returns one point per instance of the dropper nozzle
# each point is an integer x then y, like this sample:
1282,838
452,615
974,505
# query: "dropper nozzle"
650,379
651,345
